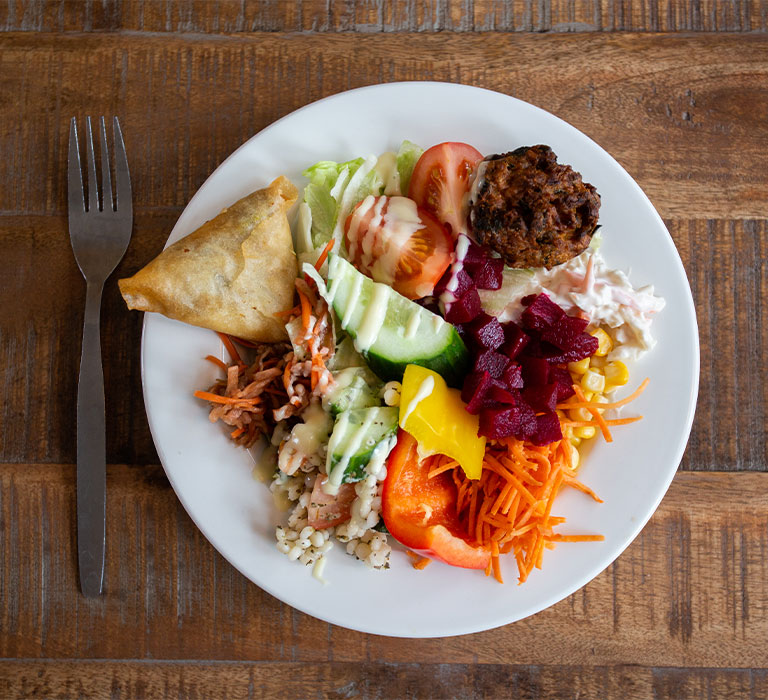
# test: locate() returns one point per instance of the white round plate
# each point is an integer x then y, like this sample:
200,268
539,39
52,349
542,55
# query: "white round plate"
213,479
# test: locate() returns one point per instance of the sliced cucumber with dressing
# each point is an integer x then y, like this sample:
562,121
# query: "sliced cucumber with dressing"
354,387
391,331
357,436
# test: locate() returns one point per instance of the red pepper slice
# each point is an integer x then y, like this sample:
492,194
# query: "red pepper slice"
420,512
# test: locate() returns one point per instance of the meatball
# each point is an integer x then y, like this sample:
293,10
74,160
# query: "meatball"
531,210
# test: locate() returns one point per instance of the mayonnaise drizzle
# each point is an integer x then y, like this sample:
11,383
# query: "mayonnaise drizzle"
374,317
336,474
425,389
462,246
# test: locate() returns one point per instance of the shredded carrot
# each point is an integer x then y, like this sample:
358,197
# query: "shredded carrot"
287,313
509,508
216,361
419,562
306,311
595,414
590,423
324,254
218,398
237,433
236,359
614,404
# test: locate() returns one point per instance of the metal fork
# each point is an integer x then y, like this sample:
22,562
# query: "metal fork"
99,232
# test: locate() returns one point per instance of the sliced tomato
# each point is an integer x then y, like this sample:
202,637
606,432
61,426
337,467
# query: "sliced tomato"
420,512
325,511
393,241
440,181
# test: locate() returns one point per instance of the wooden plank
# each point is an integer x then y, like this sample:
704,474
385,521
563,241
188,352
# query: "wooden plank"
692,590
371,16
670,108
161,679
40,342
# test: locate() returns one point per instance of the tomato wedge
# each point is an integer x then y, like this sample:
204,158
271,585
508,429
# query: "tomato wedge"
420,512
441,180
393,241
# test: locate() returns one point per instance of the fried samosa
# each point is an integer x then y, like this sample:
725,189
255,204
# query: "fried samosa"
232,274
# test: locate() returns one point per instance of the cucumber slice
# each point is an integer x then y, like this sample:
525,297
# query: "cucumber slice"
354,387
356,435
391,331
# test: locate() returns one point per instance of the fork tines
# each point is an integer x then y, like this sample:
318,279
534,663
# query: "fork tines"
108,203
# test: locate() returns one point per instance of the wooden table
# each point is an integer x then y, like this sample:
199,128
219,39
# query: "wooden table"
676,91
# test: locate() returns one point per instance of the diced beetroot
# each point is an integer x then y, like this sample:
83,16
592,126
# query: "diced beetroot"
541,313
515,340
501,395
562,377
465,309
475,254
475,390
519,421
492,362
512,376
535,371
563,332
486,331
584,345
541,398
547,429
488,275
464,283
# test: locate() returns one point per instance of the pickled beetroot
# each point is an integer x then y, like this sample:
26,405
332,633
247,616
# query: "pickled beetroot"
564,332
463,283
492,362
465,309
500,395
517,421
562,377
584,345
547,429
486,331
541,398
535,371
515,340
512,377
541,312
488,274
524,375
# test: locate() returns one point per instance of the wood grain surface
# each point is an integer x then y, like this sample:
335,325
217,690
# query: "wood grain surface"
677,91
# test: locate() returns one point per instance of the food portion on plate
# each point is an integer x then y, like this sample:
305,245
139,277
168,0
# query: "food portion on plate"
449,343
231,275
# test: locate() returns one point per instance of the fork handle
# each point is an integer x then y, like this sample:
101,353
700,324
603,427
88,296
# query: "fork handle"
91,450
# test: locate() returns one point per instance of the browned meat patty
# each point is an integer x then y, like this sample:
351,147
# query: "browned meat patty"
533,211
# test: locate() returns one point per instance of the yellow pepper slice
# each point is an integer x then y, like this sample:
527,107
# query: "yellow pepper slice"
436,416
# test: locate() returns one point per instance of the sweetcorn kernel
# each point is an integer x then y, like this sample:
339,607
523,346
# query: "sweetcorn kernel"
579,367
616,373
593,381
579,414
575,441
604,342
585,433
575,456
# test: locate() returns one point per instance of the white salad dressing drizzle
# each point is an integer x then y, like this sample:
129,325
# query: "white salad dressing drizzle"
374,317
413,324
354,297
386,166
336,474
425,389
350,197
462,246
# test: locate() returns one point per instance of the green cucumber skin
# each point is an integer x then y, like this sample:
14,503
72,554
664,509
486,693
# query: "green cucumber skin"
450,360
452,365
387,428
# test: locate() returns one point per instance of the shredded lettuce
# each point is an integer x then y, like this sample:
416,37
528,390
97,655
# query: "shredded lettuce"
335,188
407,157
